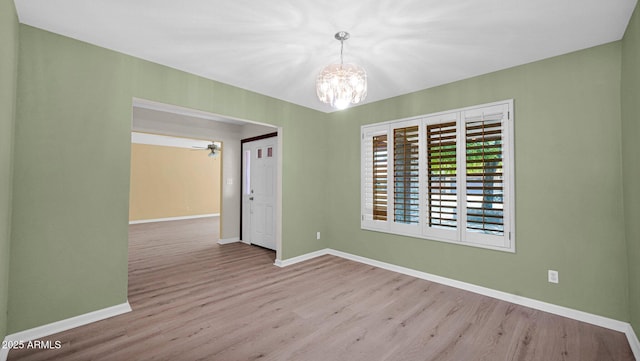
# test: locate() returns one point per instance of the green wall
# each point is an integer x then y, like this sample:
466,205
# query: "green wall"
569,214
71,170
8,72
631,159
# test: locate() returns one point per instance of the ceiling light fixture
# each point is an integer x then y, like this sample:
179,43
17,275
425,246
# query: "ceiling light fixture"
213,147
341,84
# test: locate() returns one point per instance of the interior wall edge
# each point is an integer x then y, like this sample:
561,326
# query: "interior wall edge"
9,42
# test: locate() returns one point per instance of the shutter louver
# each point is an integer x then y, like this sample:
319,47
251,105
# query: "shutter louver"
379,184
485,177
406,175
442,197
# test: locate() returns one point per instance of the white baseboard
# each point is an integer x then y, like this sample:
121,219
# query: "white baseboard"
633,342
174,218
504,296
304,257
63,325
590,318
229,240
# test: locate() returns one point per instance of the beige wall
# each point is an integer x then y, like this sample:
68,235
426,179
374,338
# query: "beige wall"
172,182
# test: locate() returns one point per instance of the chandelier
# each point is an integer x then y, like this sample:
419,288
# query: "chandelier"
341,84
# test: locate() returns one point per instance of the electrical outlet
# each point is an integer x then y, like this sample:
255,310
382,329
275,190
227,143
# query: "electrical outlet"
553,276
317,235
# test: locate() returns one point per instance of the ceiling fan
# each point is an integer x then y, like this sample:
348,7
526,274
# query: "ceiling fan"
213,147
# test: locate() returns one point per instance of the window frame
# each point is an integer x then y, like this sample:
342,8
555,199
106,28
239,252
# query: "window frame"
459,235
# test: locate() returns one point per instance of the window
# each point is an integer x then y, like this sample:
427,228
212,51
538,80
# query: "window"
247,172
445,176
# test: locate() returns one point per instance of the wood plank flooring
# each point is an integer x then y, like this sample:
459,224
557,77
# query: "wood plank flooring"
193,299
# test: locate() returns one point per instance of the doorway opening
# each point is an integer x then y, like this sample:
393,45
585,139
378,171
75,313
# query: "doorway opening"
173,121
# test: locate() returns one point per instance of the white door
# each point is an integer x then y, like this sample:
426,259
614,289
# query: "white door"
259,192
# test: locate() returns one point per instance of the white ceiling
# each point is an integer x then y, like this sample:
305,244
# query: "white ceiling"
277,47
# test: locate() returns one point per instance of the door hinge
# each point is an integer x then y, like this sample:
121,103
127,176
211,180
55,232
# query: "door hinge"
509,235
362,217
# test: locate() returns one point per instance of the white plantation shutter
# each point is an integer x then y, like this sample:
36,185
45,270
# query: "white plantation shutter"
486,161
406,177
445,177
375,177
441,166
380,185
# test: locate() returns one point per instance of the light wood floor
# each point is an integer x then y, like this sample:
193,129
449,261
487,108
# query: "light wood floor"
195,300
